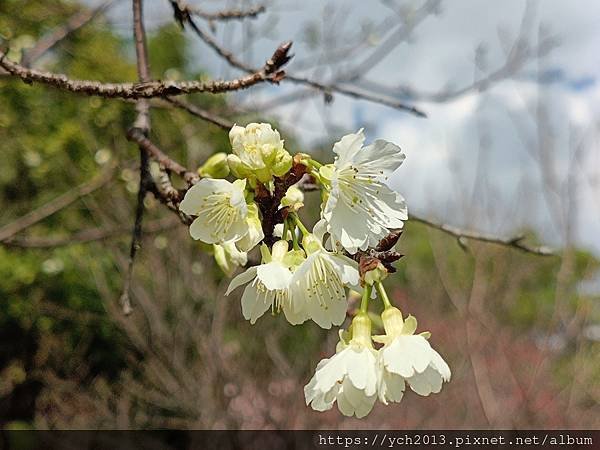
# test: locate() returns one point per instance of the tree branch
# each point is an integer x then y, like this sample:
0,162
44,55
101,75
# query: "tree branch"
183,17
85,236
142,125
230,14
202,114
74,23
135,135
270,72
514,242
53,206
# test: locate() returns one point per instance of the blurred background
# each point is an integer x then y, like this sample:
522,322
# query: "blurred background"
509,147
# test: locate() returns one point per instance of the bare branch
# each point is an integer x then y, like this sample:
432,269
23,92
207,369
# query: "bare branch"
270,72
142,124
183,17
53,206
514,242
76,22
202,114
159,156
86,236
230,14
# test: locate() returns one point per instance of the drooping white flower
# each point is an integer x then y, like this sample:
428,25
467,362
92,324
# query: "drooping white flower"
321,279
258,152
220,208
270,286
349,378
360,207
407,358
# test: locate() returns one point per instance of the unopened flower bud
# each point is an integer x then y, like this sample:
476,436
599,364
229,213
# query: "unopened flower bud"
215,167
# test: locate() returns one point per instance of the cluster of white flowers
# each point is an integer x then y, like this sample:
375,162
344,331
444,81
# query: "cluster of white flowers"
306,274
358,374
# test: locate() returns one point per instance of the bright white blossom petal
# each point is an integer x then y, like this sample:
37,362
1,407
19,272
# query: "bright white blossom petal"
220,208
349,377
270,286
361,208
321,278
408,358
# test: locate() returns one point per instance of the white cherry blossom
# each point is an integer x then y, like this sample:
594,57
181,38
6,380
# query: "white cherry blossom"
220,208
321,279
270,286
407,358
360,207
349,378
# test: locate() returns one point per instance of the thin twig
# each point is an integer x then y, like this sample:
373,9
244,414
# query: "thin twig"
183,17
86,236
159,156
142,125
230,14
514,242
270,72
204,115
53,206
74,23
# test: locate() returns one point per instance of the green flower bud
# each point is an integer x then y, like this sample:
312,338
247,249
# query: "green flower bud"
237,167
215,167
282,163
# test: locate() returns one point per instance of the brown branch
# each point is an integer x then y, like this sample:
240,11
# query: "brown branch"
230,14
269,203
514,242
202,114
74,23
135,135
85,236
53,206
183,17
270,72
142,125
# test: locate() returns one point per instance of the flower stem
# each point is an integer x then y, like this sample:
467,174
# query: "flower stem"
383,295
364,303
286,228
300,224
294,237
312,163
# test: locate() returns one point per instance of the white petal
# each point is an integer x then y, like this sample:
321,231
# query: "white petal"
440,365
255,303
242,278
407,355
381,156
332,371
202,229
274,275
353,401
347,147
391,387
430,381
